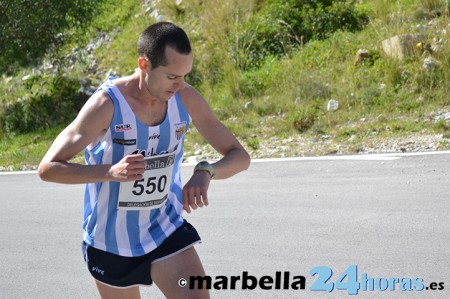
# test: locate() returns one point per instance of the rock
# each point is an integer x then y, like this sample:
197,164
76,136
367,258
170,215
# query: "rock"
401,46
361,54
443,116
157,16
333,105
423,27
86,88
381,87
430,63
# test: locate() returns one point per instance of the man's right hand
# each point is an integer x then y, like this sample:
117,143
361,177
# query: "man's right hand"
130,168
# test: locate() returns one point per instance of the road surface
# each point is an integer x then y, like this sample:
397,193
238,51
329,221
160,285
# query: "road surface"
386,216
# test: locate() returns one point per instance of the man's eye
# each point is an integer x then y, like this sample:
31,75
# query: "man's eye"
172,77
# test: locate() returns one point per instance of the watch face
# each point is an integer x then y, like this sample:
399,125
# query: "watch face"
205,166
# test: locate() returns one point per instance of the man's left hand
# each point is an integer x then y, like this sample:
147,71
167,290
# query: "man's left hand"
195,192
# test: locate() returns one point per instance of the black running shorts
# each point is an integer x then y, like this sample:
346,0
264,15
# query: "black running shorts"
121,271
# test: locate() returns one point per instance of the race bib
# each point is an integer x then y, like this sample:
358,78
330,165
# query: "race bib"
152,190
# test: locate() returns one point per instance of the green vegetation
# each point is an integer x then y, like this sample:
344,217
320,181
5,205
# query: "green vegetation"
268,69
30,28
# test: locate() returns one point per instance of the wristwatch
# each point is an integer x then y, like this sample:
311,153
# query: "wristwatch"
203,165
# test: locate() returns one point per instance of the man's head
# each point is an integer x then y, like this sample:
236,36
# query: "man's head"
154,40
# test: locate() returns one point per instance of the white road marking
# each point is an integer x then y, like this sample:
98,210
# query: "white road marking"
365,157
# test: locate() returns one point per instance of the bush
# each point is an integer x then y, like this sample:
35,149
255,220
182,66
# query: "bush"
280,26
30,28
304,119
435,8
49,102
255,82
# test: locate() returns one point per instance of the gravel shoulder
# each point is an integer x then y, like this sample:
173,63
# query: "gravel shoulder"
301,146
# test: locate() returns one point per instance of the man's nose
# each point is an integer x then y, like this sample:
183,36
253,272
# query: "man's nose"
180,84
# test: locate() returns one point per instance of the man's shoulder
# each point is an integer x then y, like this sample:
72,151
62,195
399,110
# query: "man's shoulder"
99,105
196,105
190,96
188,92
101,98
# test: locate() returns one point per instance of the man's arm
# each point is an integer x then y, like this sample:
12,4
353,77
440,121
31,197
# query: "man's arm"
235,157
90,124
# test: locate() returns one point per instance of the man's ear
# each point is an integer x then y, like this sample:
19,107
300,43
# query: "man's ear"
143,63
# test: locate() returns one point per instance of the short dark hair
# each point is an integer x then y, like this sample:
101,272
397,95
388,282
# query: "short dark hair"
153,41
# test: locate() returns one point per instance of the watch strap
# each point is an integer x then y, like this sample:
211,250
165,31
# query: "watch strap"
205,166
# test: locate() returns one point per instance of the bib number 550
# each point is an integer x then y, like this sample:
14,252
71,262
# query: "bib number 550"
153,184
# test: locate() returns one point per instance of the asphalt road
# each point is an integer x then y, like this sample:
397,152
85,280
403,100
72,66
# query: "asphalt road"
388,215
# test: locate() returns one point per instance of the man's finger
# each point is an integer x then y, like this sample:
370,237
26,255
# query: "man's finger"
191,197
204,192
205,198
186,200
133,158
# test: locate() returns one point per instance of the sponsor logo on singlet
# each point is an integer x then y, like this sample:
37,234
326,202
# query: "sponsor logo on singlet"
122,127
125,141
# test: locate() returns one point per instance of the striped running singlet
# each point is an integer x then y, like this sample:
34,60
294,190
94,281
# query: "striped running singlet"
134,232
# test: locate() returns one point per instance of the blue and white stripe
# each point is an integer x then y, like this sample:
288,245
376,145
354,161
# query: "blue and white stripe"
133,233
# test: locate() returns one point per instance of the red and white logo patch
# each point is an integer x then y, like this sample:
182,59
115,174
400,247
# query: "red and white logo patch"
122,127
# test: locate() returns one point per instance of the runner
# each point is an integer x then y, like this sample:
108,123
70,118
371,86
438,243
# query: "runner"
132,131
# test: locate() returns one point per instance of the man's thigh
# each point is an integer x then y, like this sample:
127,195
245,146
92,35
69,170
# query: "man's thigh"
109,292
167,273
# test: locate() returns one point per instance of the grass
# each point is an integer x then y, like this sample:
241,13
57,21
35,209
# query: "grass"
26,150
285,97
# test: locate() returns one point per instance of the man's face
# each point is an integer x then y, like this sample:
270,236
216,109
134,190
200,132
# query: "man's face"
163,81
